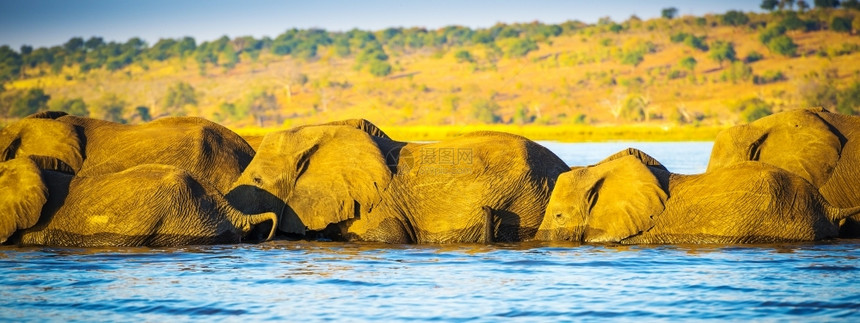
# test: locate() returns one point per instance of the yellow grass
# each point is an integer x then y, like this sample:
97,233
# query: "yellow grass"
575,133
572,76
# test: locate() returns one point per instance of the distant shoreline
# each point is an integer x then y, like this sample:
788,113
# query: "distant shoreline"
560,133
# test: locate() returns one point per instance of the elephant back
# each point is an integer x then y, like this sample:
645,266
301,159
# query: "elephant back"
206,149
449,182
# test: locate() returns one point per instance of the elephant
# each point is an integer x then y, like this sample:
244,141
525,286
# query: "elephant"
89,147
821,147
145,205
348,180
629,198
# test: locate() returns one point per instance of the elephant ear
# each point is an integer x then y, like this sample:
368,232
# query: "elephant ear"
54,144
622,201
642,156
802,143
341,174
22,196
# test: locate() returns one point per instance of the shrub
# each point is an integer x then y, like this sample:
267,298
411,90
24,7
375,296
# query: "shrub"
380,68
723,51
75,107
753,57
769,77
792,22
849,100
818,90
771,33
783,45
463,56
756,113
679,37
634,108
675,74
738,71
485,111
522,116
841,24
696,42
752,109
632,58
34,100
178,96
734,18
522,47
688,63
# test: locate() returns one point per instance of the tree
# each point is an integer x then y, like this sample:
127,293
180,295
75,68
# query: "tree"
826,3
110,107
753,109
782,45
178,96
841,24
802,5
75,106
34,100
94,43
851,4
689,63
10,64
74,44
722,51
734,18
380,68
769,5
262,105
463,56
143,113
849,100
633,57
669,13
522,47
819,90
485,111
633,108
753,56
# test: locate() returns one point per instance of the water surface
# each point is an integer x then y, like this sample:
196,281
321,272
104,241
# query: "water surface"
316,281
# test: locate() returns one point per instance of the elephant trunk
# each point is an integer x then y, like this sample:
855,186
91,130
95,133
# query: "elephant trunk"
838,215
255,227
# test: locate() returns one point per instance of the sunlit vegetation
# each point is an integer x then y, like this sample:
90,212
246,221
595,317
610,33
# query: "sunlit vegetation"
655,74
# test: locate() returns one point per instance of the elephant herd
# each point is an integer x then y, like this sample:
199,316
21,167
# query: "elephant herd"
72,181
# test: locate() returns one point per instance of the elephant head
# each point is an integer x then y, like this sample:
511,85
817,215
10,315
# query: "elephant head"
798,141
51,144
607,202
313,176
22,196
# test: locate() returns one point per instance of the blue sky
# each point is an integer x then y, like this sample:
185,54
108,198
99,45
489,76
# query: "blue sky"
42,23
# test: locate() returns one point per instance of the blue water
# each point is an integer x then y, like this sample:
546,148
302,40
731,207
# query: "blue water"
317,281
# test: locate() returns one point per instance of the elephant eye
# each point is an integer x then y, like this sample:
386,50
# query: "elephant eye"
258,180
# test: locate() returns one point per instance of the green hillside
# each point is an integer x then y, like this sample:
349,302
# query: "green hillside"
707,72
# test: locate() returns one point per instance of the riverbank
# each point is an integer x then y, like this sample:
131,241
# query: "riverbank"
560,133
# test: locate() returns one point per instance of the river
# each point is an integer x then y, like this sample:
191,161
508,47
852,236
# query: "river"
332,281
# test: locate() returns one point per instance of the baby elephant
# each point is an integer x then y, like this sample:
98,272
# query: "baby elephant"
630,198
147,205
